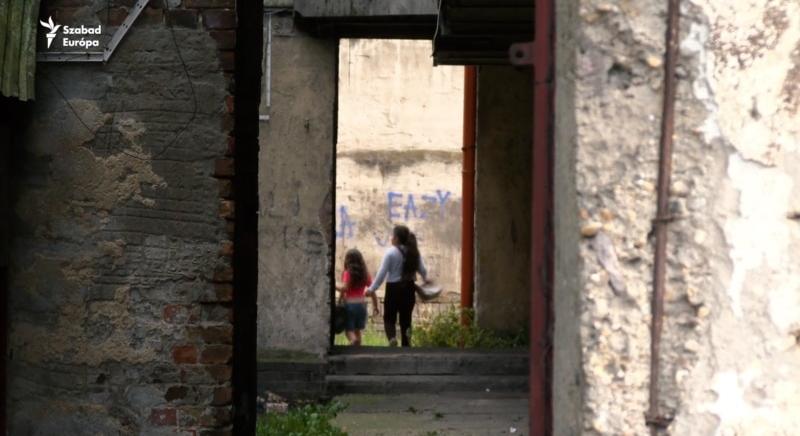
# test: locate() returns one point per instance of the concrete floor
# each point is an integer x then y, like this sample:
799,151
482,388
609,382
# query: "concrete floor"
466,414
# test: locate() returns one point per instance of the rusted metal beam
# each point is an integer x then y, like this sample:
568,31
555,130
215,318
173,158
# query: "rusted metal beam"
468,193
541,222
655,419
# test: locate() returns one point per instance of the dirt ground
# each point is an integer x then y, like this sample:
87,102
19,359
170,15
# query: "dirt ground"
428,415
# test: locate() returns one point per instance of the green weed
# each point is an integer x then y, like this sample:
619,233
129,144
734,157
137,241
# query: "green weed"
445,330
308,420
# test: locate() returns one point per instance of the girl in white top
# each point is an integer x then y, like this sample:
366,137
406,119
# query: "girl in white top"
399,268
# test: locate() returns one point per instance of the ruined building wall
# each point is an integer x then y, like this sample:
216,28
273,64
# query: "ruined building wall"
729,352
502,198
399,157
296,194
119,277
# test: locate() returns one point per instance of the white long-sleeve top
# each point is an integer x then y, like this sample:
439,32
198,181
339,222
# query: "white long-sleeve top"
391,269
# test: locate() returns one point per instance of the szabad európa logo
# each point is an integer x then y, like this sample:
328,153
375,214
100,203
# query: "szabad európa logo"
79,37
51,35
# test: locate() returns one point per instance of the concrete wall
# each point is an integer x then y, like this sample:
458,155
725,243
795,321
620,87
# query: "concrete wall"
296,194
502,198
399,156
119,282
729,351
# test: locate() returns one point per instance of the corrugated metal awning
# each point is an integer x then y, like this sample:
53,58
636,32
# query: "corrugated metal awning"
481,31
18,20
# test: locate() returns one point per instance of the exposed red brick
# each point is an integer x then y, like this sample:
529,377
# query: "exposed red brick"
176,313
227,120
164,417
182,18
115,16
66,14
217,354
177,393
223,274
222,396
223,168
189,416
227,209
220,293
222,334
231,145
225,188
195,313
226,249
226,39
151,15
216,417
229,103
224,292
184,354
220,373
219,18
217,313
209,3
227,60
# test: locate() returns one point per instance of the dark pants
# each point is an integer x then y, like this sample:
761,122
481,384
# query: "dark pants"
400,300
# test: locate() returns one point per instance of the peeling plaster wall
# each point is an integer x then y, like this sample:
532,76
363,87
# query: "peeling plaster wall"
398,158
730,350
296,193
119,317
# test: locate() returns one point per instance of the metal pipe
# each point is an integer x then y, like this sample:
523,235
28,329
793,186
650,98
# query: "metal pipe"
655,419
468,193
542,244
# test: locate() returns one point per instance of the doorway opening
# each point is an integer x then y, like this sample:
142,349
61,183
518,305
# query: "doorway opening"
399,161
307,217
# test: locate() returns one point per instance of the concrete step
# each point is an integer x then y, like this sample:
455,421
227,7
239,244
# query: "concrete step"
429,362
429,384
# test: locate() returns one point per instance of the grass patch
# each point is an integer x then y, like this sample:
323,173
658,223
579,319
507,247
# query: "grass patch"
370,337
445,330
307,420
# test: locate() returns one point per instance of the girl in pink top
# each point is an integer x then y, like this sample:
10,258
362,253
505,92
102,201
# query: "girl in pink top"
355,280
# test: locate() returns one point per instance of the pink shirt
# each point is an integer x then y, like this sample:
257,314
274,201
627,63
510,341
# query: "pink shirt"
354,292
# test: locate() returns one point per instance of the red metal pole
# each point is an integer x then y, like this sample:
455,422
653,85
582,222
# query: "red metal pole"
540,415
468,193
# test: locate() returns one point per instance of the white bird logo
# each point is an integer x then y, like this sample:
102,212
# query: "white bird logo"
51,35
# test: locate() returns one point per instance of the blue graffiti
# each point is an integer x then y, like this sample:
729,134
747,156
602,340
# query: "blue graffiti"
391,204
410,210
346,227
400,207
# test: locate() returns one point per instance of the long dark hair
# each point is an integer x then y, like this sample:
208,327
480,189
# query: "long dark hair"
354,264
407,242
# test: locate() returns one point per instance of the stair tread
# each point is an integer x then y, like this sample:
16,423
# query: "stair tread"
443,356
371,378
368,350
439,384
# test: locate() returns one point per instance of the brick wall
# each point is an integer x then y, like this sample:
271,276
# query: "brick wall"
121,278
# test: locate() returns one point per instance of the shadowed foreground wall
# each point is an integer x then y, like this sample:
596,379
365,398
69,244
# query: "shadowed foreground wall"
119,281
730,354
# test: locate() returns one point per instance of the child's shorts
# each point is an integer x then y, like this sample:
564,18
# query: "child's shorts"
356,316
